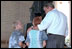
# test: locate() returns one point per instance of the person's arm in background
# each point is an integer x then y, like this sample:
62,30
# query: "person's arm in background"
44,38
27,41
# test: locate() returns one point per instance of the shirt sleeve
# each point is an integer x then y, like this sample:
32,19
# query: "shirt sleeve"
21,38
12,42
27,39
44,36
46,21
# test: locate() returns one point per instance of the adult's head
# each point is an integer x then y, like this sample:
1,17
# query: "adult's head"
48,7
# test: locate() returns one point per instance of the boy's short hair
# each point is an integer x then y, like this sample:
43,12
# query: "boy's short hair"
36,21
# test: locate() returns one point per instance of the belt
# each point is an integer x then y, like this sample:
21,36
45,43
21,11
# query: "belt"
55,34
50,34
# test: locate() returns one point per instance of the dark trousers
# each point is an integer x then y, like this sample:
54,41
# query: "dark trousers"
55,41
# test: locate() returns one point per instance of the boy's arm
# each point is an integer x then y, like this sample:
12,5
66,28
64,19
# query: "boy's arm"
44,38
20,44
11,42
21,39
44,43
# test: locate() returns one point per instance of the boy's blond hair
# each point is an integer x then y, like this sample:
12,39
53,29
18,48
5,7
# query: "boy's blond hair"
15,23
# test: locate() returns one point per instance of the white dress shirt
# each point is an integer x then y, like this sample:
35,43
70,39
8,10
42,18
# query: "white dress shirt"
55,22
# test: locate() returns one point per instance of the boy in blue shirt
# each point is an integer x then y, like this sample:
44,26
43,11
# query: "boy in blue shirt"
36,38
17,36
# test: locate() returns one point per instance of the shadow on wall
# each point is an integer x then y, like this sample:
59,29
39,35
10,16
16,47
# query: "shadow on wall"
4,43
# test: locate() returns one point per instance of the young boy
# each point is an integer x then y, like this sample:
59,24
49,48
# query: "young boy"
36,38
17,36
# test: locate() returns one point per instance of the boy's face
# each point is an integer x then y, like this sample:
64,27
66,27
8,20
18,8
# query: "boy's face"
20,26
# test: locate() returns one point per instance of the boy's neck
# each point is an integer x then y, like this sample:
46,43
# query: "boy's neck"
17,29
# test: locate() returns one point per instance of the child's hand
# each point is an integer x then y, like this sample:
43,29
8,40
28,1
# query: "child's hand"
20,44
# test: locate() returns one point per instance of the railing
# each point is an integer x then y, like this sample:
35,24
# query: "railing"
4,43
